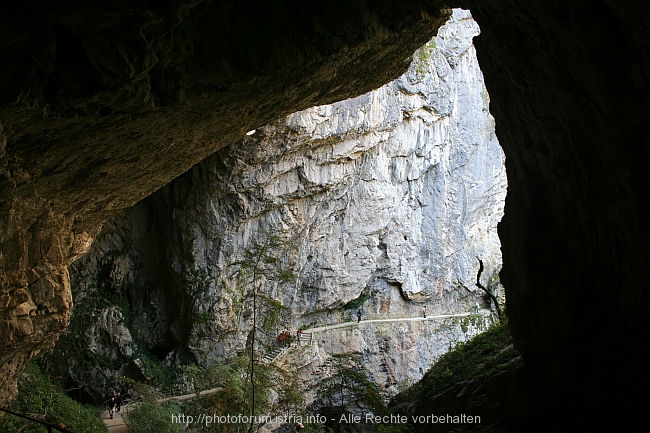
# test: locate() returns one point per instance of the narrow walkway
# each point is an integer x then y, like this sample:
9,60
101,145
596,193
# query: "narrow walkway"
118,423
307,336
190,396
399,319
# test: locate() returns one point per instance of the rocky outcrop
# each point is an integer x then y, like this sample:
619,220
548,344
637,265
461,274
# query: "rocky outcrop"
101,105
388,200
36,295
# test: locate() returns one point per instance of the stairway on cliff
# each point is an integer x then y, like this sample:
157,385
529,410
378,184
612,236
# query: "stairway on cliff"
273,354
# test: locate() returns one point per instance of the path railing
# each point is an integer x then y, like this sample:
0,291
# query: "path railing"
163,395
306,337
50,427
383,319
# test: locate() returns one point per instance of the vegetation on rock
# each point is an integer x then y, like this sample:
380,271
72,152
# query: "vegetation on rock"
42,397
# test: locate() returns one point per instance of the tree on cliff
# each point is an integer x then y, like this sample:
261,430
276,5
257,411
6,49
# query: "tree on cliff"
347,388
264,262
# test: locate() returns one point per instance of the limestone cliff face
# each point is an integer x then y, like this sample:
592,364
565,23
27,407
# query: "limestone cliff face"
389,199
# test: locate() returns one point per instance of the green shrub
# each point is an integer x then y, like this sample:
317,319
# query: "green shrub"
41,397
358,302
149,416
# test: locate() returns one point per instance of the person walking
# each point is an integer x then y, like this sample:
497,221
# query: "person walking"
359,315
118,402
424,311
111,407
476,307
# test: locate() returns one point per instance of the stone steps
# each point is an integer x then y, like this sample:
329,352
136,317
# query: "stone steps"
305,338
273,354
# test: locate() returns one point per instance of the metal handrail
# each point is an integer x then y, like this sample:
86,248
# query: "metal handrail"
49,426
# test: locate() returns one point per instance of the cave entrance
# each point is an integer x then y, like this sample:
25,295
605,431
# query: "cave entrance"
392,200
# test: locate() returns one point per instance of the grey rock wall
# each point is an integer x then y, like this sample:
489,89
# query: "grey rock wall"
396,193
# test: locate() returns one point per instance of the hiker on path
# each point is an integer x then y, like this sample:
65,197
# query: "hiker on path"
118,401
111,407
424,311
476,307
359,315
299,336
